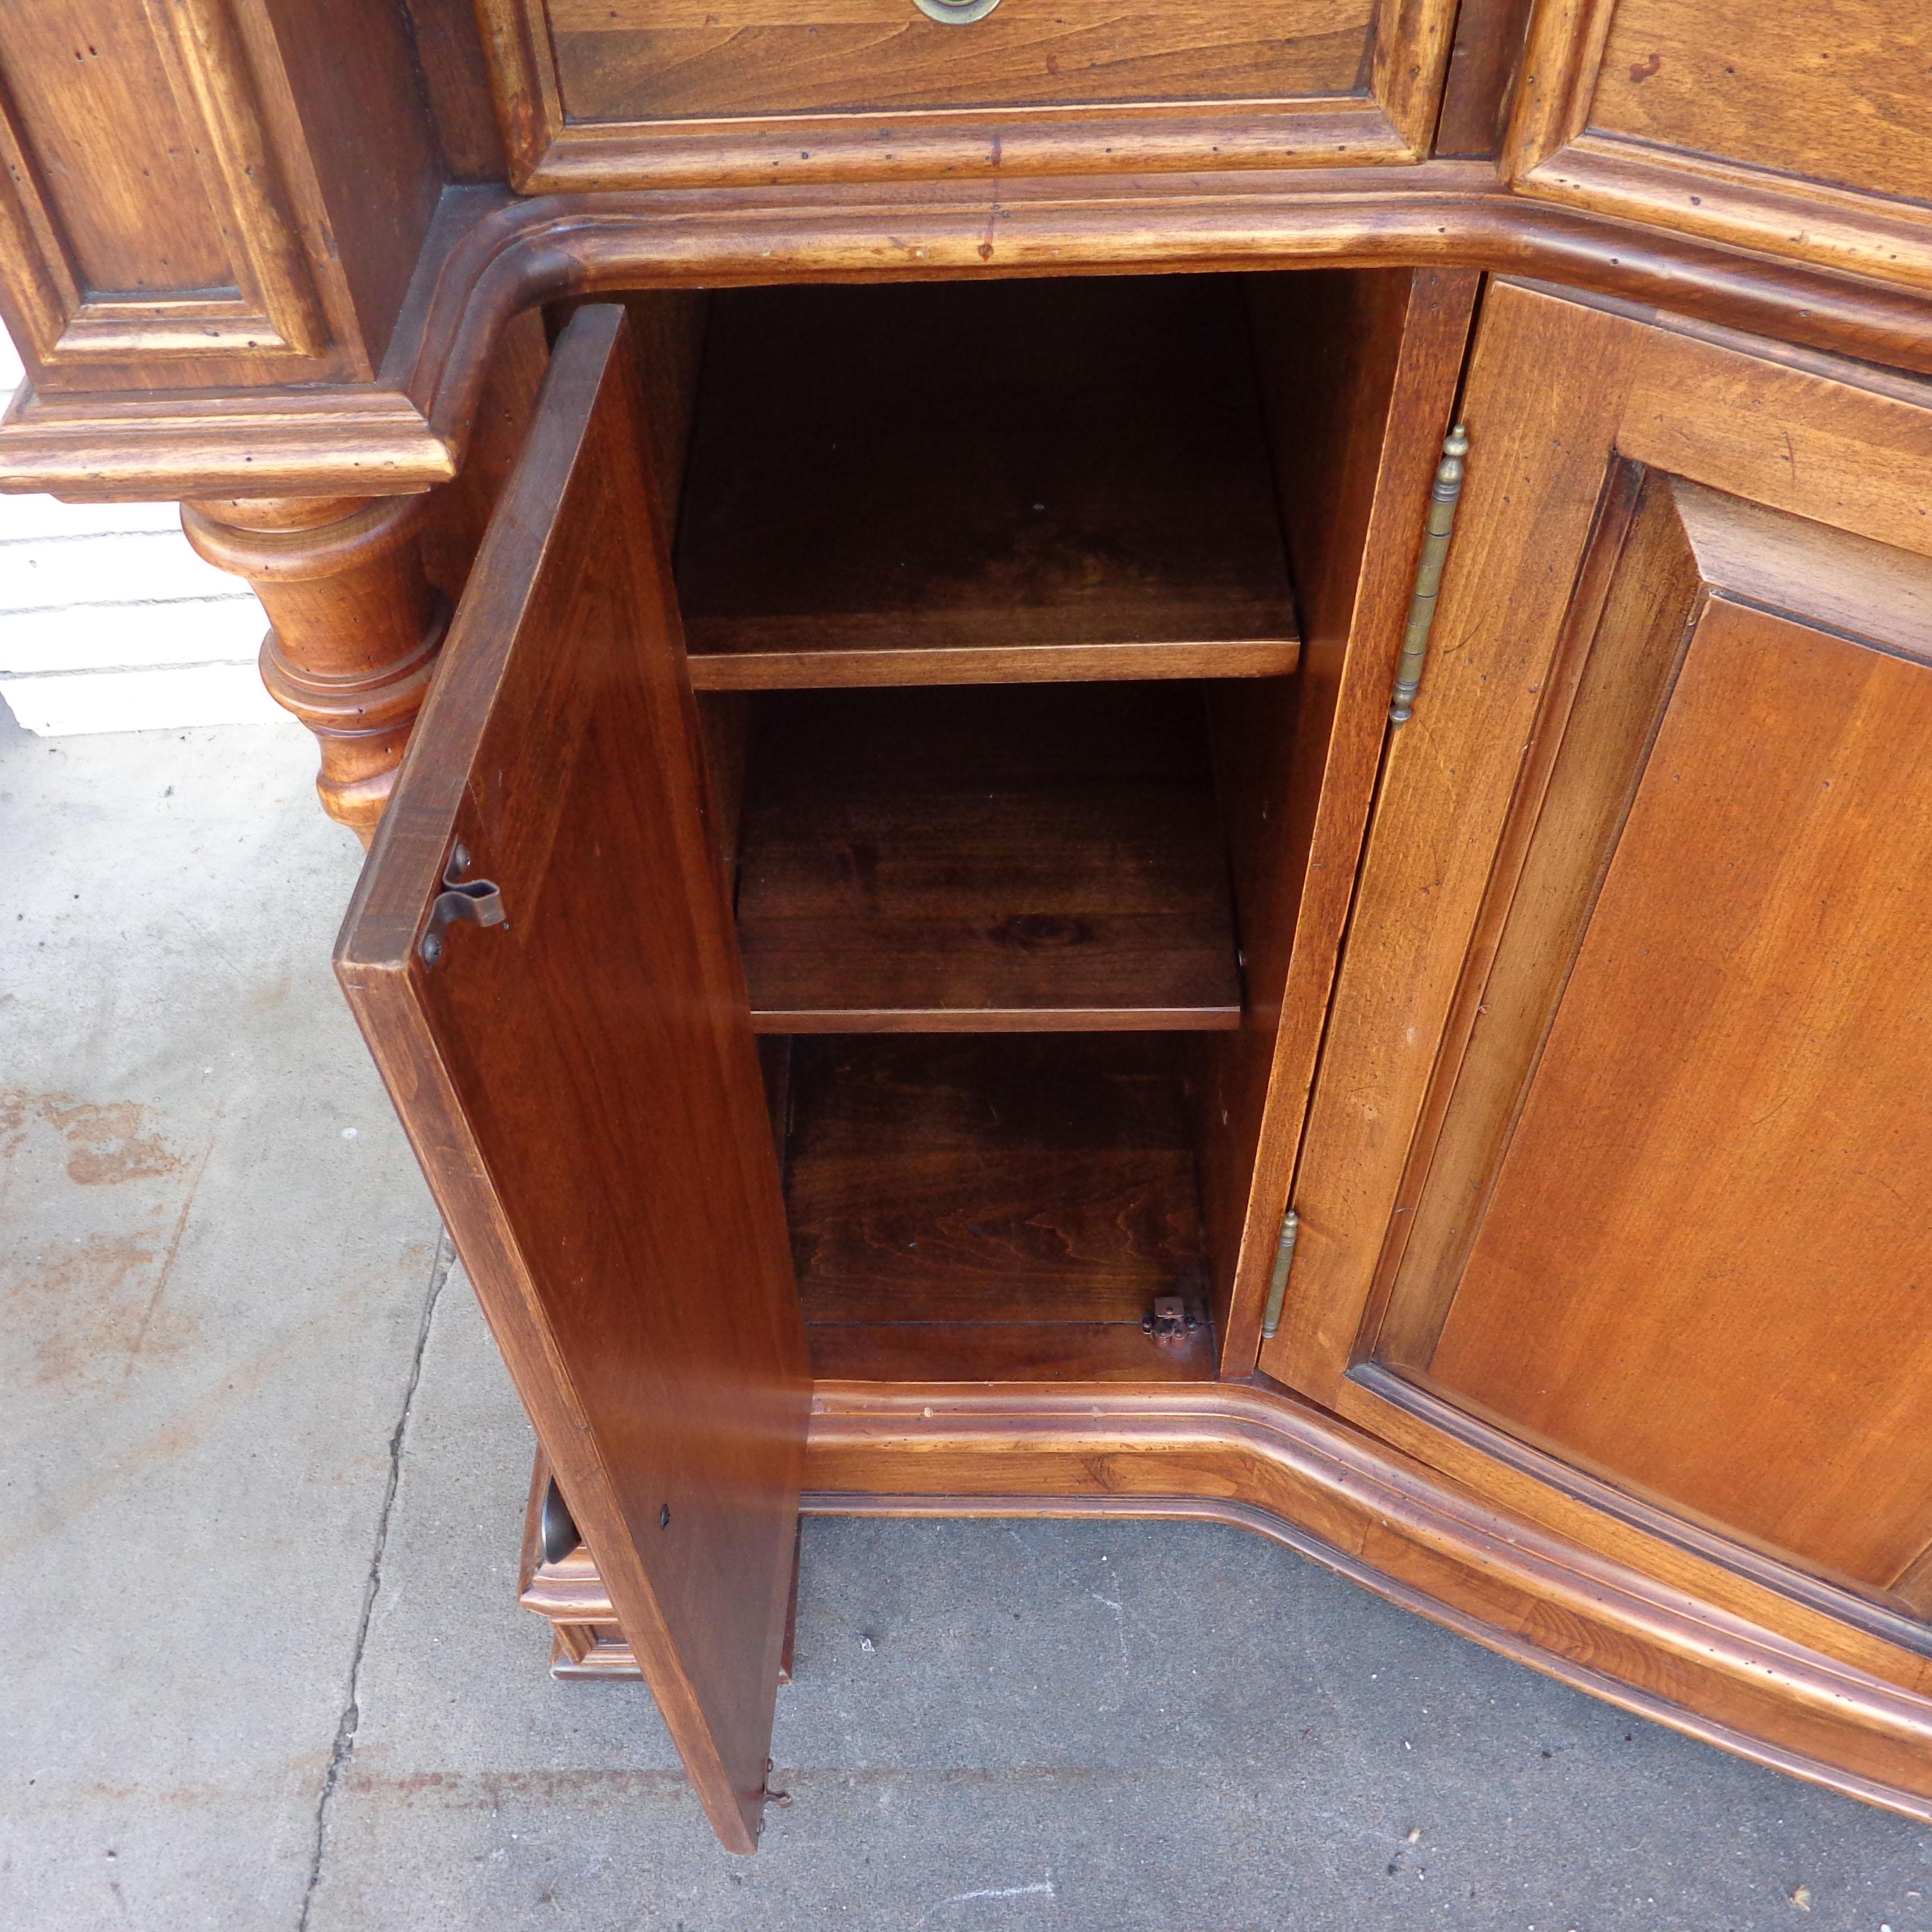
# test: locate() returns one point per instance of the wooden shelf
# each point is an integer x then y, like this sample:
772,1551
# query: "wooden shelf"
1044,858
1000,482
995,1210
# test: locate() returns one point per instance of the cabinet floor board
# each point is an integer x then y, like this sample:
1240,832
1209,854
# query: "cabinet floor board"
994,1209
1004,1351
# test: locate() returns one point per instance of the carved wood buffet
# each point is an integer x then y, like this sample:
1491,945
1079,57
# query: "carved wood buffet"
854,563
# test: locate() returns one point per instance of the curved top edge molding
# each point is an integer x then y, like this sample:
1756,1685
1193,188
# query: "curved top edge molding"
491,255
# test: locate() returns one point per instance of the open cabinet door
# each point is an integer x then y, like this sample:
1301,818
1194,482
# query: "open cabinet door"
541,958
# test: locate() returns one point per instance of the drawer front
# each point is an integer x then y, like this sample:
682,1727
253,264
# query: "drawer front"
620,93
646,60
1803,131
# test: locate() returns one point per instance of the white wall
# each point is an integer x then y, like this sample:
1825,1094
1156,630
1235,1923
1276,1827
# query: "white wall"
110,622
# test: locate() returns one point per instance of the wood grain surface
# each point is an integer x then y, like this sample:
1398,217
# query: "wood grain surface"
1044,856
938,1178
638,60
596,1138
945,482
1699,1266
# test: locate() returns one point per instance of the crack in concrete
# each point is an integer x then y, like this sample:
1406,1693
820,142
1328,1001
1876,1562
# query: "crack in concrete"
349,1721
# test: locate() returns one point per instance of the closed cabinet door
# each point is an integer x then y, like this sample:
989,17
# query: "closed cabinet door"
541,958
1616,1181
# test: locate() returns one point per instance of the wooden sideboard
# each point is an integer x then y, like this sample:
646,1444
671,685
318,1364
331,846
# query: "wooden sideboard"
1160,764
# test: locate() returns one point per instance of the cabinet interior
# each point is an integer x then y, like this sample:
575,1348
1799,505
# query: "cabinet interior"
986,590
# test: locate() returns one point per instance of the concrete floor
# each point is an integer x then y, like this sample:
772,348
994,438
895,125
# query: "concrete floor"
262,1665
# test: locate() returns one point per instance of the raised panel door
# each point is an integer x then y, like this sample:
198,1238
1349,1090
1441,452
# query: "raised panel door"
1614,1181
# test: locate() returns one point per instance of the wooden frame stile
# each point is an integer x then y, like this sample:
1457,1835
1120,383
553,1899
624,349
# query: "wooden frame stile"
631,1253
1657,162
1370,412
1388,118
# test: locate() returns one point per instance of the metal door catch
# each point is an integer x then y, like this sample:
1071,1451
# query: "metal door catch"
478,901
1170,1321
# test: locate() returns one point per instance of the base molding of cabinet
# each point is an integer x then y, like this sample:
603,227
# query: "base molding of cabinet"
1259,1459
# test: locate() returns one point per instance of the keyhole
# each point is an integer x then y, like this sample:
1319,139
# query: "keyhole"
664,1517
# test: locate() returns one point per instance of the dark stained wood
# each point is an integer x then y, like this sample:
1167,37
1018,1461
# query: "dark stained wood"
489,255
1043,856
1005,1352
1622,637
597,94
960,1200
456,78
949,483
355,625
668,328
581,1084
460,512
374,155
947,1179
190,196
1664,1312
1769,133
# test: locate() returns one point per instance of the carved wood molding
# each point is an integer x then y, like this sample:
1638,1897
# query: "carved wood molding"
491,255
1259,1459
1556,148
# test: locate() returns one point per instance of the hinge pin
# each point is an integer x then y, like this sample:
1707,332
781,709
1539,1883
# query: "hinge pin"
1284,1260
1442,496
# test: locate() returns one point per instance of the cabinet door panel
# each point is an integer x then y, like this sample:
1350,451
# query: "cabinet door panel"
581,1083
1701,1266
1619,1148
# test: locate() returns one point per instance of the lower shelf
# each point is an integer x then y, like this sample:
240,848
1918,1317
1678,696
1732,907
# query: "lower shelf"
1850,1715
984,1209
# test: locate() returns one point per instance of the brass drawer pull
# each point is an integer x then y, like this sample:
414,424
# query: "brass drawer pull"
955,12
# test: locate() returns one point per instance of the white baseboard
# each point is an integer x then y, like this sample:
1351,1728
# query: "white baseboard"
75,703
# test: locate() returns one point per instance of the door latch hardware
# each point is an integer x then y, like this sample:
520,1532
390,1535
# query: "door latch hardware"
1436,535
1171,1320
477,901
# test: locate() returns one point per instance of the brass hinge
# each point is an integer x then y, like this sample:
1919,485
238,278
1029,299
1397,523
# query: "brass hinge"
1284,1260
1447,486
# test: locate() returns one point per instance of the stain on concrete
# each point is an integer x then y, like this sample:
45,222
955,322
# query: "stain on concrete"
106,1143
85,1306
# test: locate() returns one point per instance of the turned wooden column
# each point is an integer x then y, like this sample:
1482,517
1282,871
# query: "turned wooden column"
355,625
